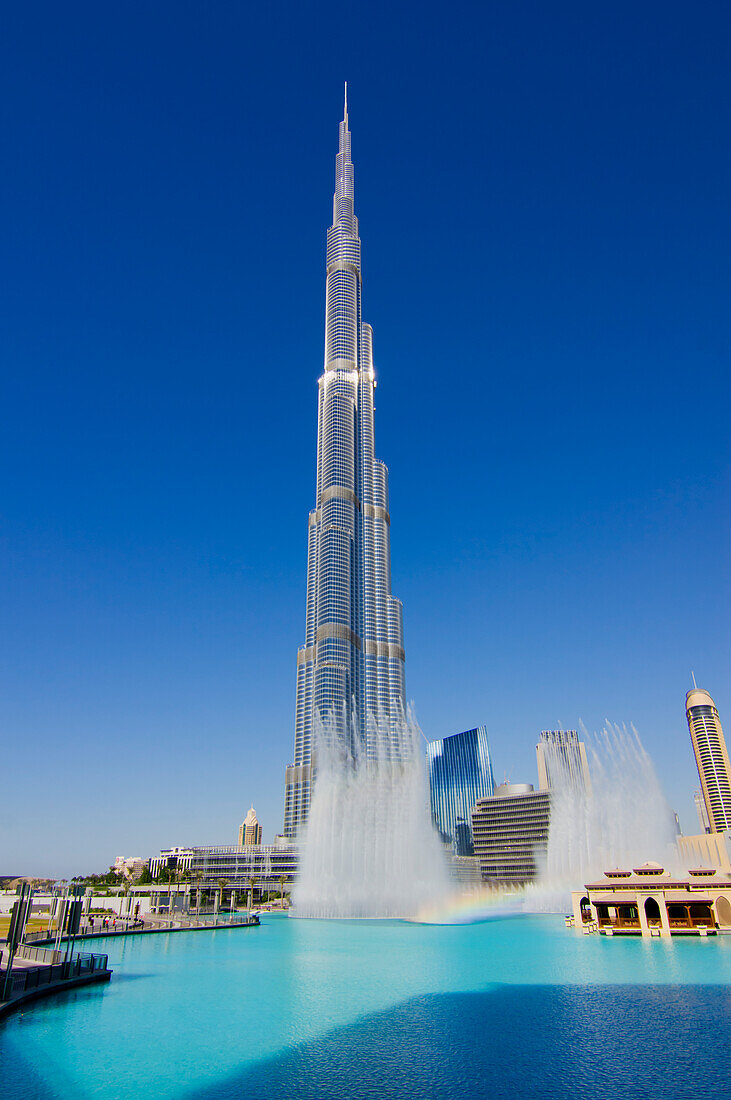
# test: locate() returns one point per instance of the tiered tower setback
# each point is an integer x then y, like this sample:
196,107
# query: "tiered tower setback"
350,670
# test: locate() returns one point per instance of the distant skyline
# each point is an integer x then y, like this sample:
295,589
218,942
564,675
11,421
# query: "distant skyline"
545,199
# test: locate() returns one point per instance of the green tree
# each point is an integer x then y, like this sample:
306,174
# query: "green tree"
197,877
145,878
223,883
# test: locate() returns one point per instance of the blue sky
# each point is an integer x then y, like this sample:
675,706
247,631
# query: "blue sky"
543,194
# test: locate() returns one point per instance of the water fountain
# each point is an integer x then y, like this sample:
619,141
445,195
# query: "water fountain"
622,819
369,847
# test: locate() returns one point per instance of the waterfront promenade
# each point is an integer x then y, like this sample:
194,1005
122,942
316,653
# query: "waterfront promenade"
151,922
40,968
40,972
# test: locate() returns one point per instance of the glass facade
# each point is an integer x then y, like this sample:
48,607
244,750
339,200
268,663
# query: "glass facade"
460,773
350,670
266,864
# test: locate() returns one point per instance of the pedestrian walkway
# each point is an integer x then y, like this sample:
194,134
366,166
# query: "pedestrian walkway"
37,972
152,922
39,968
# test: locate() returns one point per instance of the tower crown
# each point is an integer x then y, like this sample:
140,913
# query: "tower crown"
697,697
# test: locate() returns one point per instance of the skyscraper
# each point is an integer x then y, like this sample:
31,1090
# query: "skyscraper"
250,830
700,809
711,757
350,670
510,832
561,759
460,773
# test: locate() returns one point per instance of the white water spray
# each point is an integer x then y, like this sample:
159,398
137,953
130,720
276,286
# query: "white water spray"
369,848
622,820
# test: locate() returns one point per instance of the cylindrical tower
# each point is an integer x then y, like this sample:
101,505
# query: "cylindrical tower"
711,757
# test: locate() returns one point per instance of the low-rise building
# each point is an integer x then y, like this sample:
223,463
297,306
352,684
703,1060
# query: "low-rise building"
266,864
650,901
230,872
175,859
129,866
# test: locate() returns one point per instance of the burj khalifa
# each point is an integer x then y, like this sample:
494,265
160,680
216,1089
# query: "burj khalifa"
350,670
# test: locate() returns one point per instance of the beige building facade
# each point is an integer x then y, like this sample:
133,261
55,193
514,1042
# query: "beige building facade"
649,901
250,831
706,850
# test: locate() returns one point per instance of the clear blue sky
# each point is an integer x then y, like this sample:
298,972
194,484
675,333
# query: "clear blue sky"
544,202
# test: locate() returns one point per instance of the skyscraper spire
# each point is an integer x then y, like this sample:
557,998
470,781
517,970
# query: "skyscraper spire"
350,670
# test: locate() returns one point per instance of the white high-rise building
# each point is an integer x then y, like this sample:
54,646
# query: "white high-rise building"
711,757
562,761
350,670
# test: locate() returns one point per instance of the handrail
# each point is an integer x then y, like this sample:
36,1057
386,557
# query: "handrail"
34,977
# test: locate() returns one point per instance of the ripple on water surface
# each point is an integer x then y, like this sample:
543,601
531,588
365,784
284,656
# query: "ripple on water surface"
518,1007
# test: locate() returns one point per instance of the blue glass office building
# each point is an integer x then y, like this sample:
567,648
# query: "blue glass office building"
460,772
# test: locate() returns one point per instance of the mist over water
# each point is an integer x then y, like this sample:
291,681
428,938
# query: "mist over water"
369,848
622,820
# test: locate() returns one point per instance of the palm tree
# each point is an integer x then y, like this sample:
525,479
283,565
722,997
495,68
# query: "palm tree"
184,877
282,881
252,884
223,883
197,877
125,888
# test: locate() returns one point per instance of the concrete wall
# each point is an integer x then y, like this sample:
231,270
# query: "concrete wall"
706,850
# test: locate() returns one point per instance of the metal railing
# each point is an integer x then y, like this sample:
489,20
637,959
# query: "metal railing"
23,981
123,924
39,954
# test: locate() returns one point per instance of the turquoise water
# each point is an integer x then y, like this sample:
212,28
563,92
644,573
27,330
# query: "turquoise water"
320,1009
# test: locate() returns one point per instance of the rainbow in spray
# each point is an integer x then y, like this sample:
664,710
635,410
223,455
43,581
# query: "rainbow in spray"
473,907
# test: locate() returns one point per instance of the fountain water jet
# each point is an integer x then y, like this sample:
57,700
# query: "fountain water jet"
369,847
622,820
